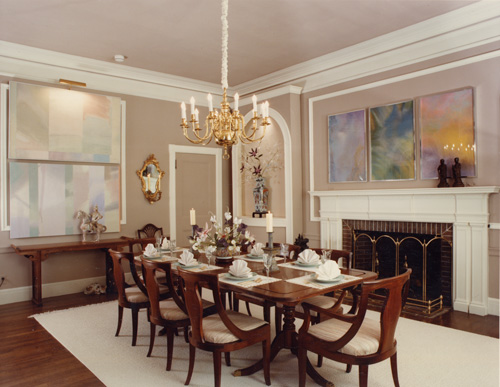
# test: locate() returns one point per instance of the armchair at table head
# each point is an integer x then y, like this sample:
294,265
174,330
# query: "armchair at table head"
225,331
357,339
149,231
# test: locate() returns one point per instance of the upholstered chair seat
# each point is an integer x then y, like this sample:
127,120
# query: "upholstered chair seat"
216,332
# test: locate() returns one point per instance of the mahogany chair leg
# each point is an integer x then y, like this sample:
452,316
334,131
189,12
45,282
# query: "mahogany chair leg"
152,335
192,353
363,375
120,319
135,323
217,368
320,361
302,357
227,357
186,332
394,368
170,348
236,304
348,368
266,360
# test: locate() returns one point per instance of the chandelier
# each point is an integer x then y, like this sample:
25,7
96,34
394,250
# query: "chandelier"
226,126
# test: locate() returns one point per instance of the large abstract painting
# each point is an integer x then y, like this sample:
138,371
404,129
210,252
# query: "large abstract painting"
48,123
44,198
347,147
447,131
392,142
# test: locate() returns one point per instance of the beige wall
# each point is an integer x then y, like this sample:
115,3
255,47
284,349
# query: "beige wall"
151,126
483,76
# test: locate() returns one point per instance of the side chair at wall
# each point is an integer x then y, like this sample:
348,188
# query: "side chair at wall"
149,231
355,339
225,331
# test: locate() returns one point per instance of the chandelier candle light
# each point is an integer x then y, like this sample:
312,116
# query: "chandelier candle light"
228,125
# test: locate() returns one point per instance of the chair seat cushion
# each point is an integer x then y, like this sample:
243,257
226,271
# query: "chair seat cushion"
365,342
134,294
216,332
324,302
170,311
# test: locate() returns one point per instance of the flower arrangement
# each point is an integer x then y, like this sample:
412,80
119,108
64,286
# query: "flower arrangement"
226,237
259,161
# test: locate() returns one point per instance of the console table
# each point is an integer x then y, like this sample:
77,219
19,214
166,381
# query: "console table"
39,253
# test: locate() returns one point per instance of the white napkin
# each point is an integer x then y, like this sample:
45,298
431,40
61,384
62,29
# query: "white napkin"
165,244
239,268
187,258
327,271
309,256
150,250
257,249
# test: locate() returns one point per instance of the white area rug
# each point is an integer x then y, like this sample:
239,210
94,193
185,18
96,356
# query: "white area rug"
428,355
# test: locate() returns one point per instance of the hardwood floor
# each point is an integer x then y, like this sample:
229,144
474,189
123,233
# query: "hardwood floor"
30,356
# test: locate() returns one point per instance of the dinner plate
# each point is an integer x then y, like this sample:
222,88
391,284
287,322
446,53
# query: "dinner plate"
254,256
308,264
189,266
223,258
328,281
231,277
157,256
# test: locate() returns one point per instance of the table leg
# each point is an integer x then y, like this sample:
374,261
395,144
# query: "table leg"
36,278
110,280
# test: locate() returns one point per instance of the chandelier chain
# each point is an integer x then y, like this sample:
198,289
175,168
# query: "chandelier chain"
225,38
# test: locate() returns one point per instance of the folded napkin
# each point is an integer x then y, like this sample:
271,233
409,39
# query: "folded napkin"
257,249
309,256
327,271
239,268
187,258
165,244
150,250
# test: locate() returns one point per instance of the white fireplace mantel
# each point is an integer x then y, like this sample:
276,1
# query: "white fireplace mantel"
466,208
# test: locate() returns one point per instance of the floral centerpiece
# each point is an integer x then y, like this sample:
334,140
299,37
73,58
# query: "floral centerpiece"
224,238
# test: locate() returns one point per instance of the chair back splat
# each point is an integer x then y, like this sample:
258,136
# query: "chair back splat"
149,231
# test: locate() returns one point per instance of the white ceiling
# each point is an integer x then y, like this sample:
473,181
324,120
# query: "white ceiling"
183,37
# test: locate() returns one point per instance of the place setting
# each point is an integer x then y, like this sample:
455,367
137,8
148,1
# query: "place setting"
152,253
326,274
187,261
307,260
240,274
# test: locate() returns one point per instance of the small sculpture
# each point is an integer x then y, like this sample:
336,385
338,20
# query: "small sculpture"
457,173
90,225
442,174
302,242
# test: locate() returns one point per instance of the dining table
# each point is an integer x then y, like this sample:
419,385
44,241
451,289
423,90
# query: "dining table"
288,285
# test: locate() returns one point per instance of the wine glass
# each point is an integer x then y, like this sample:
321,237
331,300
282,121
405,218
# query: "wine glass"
268,261
209,254
326,255
158,242
284,250
172,247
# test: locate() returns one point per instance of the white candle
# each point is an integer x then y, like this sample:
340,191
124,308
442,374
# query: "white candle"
192,217
196,114
262,110
254,100
192,105
267,108
183,110
149,182
236,100
269,222
210,105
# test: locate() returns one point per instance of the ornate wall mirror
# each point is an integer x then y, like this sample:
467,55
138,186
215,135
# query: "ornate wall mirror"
150,176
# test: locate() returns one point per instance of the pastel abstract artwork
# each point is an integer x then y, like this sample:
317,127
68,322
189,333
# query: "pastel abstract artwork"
392,142
447,131
54,124
347,147
44,198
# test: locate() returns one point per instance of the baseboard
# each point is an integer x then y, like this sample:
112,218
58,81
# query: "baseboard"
494,306
8,296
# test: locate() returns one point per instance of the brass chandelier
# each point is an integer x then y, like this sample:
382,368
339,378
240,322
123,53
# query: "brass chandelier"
227,127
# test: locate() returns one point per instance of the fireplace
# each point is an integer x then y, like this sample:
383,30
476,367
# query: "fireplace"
465,208
389,248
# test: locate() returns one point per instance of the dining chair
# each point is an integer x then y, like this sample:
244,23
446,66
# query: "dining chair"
357,339
170,313
133,297
149,231
223,332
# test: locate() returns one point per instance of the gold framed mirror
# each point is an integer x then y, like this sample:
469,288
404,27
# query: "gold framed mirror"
150,176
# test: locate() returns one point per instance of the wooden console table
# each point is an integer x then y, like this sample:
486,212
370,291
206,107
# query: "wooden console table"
39,253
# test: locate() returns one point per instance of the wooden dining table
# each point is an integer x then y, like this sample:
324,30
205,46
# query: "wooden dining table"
281,291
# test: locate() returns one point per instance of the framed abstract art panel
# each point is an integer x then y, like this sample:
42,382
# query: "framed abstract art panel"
347,147
392,142
446,122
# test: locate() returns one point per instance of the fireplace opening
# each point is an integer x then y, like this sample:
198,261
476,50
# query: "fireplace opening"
388,248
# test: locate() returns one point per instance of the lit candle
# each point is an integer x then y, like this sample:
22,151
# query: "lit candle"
192,217
236,100
210,105
269,222
183,110
254,100
192,105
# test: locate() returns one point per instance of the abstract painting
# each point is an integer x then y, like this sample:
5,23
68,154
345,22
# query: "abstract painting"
44,198
392,142
48,123
447,131
347,147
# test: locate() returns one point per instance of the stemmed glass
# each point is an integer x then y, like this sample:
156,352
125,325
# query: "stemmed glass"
158,242
268,261
326,255
209,254
284,250
172,247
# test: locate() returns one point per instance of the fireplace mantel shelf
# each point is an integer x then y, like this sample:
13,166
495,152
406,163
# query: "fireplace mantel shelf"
409,191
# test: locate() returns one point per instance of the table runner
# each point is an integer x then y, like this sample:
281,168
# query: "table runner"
254,281
306,280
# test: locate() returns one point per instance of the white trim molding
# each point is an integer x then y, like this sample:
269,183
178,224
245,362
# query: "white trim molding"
173,150
467,208
4,221
123,164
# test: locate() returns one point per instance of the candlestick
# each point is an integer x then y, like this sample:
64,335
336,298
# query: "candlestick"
270,240
269,222
192,217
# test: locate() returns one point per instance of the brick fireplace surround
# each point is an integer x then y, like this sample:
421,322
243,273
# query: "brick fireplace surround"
466,208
